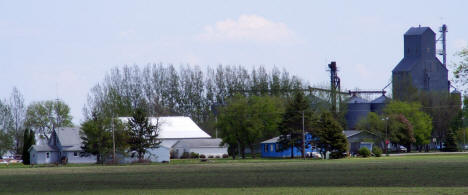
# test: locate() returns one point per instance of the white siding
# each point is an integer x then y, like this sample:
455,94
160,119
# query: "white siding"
210,151
41,157
79,159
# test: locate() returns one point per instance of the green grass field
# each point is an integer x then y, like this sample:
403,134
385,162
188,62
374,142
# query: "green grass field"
430,174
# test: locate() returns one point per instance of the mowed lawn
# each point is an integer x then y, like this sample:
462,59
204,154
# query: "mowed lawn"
430,174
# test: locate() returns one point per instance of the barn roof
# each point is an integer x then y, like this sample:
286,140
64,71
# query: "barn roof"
199,143
175,127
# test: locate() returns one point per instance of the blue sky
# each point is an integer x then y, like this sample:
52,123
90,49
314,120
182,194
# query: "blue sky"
63,48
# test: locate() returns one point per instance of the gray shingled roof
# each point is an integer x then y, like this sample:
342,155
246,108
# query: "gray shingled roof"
349,133
69,136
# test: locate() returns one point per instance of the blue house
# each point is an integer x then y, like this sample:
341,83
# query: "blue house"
271,148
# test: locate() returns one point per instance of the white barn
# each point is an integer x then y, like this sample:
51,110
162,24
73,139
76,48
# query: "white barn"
181,135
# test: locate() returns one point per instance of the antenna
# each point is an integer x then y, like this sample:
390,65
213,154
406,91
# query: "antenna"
443,39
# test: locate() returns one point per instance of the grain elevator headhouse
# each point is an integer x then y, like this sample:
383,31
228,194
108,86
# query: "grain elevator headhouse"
419,69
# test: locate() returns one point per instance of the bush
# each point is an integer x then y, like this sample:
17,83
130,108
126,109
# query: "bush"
364,152
194,155
202,156
225,155
377,151
210,156
185,155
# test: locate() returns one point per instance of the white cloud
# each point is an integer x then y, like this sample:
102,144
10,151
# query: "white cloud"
248,28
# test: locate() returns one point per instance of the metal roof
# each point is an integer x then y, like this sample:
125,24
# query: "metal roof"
381,100
356,100
199,143
417,30
406,64
175,127
168,143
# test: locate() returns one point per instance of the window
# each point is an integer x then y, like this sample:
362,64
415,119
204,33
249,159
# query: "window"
265,148
47,155
271,148
75,153
277,147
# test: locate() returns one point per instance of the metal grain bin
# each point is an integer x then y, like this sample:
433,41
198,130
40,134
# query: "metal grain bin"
358,109
379,104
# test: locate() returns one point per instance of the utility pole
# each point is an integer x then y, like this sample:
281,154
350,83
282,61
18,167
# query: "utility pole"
303,136
386,136
113,141
464,133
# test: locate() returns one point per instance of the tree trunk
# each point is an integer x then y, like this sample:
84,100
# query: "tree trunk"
253,152
243,151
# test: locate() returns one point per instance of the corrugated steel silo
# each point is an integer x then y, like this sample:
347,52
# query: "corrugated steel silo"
358,109
379,103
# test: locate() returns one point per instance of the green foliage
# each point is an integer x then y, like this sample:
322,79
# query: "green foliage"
461,68
6,125
29,140
330,135
45,116
364,152
420,121
450,144
292,123
6,142
142,133
96,134
244,122
401,131
377,151
375,124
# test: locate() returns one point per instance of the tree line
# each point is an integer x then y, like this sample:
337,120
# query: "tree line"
188,91
20,125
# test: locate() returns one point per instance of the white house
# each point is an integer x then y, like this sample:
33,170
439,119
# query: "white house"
64,145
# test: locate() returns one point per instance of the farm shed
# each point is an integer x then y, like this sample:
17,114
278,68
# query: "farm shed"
358,139
271,148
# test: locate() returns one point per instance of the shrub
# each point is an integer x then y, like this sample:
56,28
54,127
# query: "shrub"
225,155
185,155
194,155
210,156
364,152
377,151
202,156
336,155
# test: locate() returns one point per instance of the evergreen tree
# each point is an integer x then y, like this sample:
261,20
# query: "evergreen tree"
330,136
142,134
28,141
291,126
450,144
